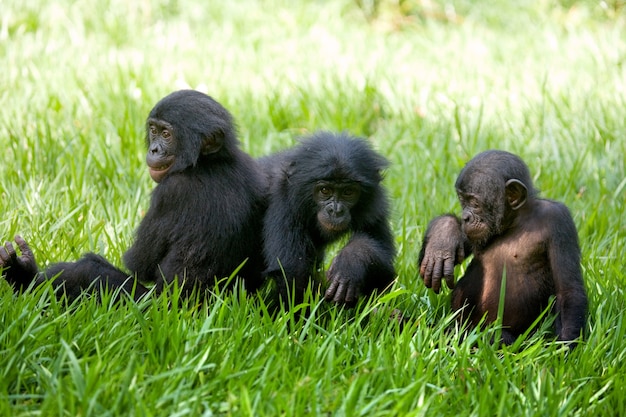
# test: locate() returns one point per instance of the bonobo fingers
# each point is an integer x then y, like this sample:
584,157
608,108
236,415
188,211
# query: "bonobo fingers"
330,291
352,294
436,280
426,271
341,291
436,266
448,272
442,249
431,270
460,255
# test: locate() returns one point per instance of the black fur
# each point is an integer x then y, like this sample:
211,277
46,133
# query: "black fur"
294,238
205,216
509,231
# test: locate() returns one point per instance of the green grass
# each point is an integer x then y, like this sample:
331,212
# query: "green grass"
430,83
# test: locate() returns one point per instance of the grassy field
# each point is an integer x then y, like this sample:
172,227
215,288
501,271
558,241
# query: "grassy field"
430,83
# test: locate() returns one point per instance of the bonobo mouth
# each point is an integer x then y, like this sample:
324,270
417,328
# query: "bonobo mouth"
335,226
157,173
478,234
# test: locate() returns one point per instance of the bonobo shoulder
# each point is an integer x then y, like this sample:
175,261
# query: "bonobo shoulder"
553,218
551,209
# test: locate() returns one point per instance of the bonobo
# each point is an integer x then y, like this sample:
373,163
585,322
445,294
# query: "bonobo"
511,232
326,187
205,217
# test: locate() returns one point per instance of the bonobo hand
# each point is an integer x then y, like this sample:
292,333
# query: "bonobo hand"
442,249
343,288
19,270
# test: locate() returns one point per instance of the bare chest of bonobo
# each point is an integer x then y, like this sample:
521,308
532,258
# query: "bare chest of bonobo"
521,254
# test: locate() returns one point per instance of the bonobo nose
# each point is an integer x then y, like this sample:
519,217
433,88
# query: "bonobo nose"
336,210
466,217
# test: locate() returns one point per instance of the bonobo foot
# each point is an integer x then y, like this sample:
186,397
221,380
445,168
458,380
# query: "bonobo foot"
19,271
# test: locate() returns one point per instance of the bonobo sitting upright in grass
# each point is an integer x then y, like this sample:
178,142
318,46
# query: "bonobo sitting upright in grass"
325,188
531,241
205,216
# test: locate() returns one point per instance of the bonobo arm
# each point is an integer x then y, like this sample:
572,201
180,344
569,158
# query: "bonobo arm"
443,247
150,243
290,254
143,257
19,270
564,254
362,266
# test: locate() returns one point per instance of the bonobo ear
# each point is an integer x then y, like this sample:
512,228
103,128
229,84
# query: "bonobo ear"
212,143
516,193
289,169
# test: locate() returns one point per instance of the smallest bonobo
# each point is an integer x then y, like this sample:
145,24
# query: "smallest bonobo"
511,232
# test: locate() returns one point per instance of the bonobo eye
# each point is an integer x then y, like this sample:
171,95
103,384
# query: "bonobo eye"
166,134
323,190
468,199
153,130
326,191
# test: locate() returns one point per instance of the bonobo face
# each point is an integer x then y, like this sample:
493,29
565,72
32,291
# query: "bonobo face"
161,148
334,202
482,216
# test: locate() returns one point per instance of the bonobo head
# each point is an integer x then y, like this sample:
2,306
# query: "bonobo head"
334,201
184,129
492,188
337,175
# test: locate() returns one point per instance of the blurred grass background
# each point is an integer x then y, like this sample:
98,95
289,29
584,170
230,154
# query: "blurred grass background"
429,82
